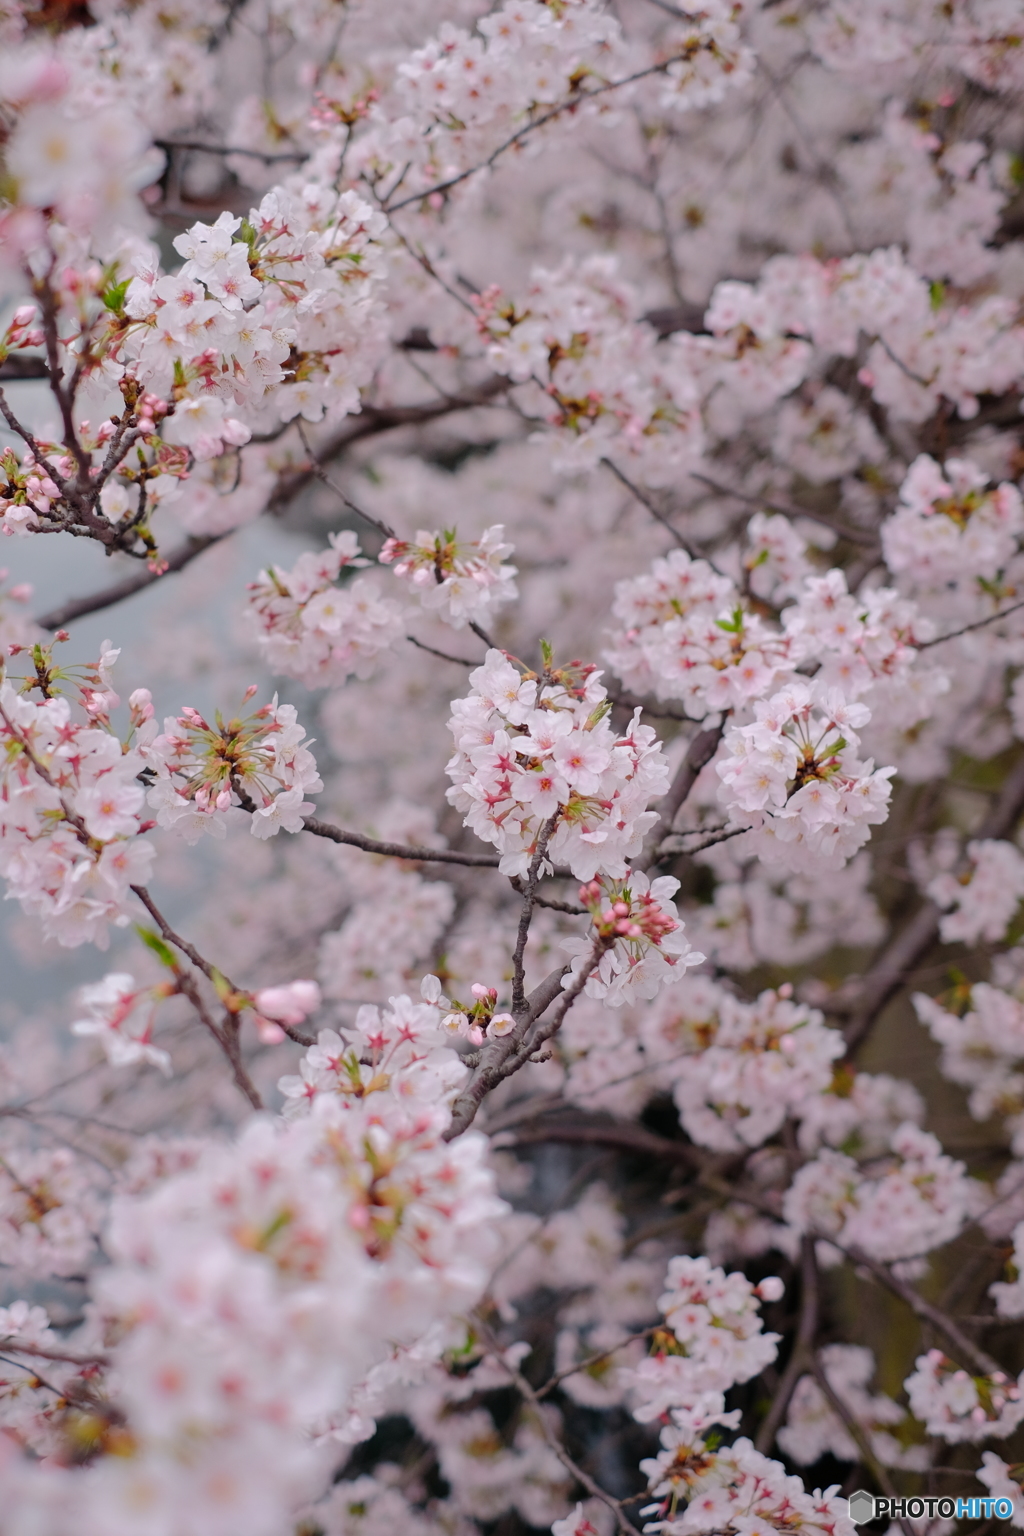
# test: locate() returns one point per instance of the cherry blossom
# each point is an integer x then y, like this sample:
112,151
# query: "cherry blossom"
957,1406
539,772
518,1106
463,581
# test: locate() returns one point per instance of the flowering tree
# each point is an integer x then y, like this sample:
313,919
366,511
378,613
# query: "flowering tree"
553,1118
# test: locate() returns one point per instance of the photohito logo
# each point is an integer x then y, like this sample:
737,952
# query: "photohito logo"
866,1506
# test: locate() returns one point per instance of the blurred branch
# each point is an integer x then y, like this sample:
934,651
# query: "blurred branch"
78,607
900,957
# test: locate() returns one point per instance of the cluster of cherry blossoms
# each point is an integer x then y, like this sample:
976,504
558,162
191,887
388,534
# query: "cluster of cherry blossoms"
200,771
749,1065
72,807
643,946
310,628
292,259
50,1213
294,285
400,1049
957,1406
794,776
685,634
1009,1295
575,334
121,1015
687,631
713,1339
321,1240
899,1208
951,531
469,89
982,1040
729,1489
985,898
461,581
539,771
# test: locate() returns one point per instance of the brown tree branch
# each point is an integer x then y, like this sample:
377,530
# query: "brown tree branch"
909,947
624,1526
801,1359
503,1055
78,607
398,850
700,752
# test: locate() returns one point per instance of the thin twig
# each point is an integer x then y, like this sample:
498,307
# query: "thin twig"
924,645
318,471
43,1352
526,914
860,1439
646,501
459,661
624,1526
227,1036
398,850
968,1351
227,149
855,535
591,1360
569,105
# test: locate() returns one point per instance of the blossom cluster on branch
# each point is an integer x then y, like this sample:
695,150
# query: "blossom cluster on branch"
601,420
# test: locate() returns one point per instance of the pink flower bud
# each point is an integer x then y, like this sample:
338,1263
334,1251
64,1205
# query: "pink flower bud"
141,705
771,1288
290,1003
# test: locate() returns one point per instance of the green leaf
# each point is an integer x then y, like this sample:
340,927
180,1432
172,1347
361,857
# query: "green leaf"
221,985
113,296
154,942
734,625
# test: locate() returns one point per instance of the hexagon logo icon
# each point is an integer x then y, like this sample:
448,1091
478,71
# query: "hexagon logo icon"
862,1506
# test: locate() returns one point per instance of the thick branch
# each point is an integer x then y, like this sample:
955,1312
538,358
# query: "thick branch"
701,750
631,1139
18,367
500,1056
383,418
78,607
908,948
968,1352
802,1358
